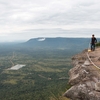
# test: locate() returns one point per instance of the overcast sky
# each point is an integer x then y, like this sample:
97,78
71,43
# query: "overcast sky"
25,19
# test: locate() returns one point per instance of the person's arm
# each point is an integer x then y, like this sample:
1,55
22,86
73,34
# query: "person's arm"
95,40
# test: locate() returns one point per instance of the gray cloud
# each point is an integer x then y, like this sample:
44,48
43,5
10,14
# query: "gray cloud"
36,18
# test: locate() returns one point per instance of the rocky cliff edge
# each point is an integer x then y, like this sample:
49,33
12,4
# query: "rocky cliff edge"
85,76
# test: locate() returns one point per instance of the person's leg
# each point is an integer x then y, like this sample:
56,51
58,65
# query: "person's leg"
94,47
91,47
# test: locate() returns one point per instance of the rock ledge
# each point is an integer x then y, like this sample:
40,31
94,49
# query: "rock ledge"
85,77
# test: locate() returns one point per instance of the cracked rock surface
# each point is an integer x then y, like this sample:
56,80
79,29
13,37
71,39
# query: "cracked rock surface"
85,77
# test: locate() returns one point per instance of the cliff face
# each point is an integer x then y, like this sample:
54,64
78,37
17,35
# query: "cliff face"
85,76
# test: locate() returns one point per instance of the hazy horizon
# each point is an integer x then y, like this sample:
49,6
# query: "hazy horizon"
40,39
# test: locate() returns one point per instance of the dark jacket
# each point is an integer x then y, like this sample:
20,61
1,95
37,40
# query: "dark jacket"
93,40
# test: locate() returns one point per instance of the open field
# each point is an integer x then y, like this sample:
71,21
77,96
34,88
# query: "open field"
44,77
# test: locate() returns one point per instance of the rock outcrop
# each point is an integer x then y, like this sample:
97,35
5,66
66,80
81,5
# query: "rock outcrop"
85,76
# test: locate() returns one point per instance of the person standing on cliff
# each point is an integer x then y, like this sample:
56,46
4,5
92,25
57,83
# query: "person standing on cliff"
93,41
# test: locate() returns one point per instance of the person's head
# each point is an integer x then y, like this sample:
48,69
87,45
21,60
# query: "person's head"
93,35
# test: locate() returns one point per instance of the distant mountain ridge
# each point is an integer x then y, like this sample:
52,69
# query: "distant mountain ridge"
57,43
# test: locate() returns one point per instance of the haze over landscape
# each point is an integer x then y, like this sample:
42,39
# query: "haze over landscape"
38,38
38,68
25,19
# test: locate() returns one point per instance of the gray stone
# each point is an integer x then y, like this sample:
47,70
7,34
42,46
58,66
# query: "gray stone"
86,63
97,86
84,78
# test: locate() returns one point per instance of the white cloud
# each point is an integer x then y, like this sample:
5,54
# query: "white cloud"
16,16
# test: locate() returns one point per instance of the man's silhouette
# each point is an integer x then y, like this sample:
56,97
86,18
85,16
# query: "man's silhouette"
93,41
